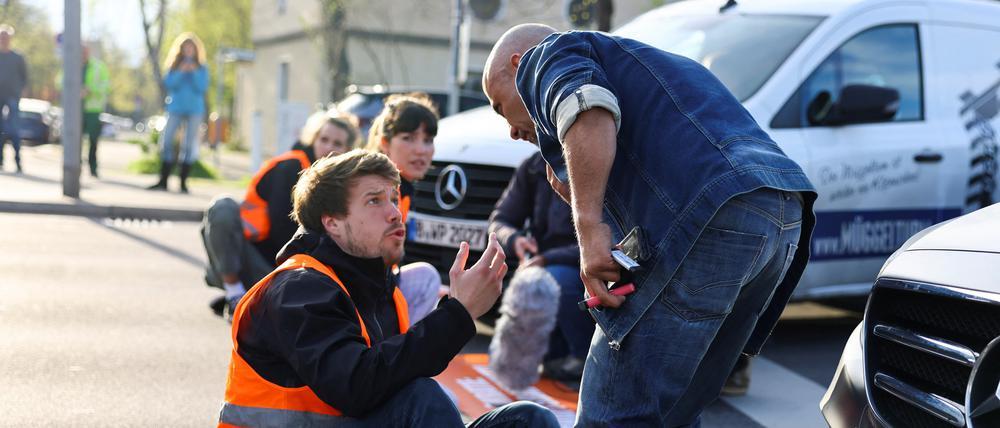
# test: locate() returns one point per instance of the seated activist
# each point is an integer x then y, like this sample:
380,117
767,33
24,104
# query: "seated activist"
324,339
549,242
242,240
404,131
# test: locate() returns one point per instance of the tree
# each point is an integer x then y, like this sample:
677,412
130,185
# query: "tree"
35,40
153,25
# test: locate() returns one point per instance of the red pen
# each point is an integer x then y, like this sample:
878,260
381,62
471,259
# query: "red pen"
593,302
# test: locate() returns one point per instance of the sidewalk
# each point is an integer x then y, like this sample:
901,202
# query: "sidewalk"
118,193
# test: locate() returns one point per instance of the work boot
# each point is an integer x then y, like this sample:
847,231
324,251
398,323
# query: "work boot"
218,305
185,170
738,382
165,169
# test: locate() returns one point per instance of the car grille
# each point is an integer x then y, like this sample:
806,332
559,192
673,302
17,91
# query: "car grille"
485,185
921,343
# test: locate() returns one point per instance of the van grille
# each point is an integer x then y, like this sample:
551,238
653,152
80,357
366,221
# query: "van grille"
921,342
485,185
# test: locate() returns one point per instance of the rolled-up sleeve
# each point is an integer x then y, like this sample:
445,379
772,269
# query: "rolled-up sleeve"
558,80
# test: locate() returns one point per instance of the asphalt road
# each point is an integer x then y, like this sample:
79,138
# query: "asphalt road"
104,323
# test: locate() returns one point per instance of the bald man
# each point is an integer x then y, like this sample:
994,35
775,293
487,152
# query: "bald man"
647,143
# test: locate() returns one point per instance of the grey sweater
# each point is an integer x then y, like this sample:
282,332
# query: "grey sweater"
13,74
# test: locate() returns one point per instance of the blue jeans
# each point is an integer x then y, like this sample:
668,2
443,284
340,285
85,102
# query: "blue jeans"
574,328
422,403
9,126
189,150
677,357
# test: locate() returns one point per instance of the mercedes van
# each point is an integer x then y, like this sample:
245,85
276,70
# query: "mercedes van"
890,106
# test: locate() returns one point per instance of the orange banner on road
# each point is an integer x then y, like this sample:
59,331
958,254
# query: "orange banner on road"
474,387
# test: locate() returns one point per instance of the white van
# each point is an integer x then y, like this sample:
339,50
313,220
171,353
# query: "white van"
890,106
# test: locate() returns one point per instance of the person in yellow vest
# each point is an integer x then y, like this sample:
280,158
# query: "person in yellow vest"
404,131
96,86
242,239
324,340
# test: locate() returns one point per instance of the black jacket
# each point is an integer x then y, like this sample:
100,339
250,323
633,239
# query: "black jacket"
275,187
529,196
304,331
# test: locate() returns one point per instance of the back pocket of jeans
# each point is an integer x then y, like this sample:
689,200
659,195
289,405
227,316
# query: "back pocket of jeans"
709,279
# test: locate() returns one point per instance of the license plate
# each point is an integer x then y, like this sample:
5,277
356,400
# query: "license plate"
446,232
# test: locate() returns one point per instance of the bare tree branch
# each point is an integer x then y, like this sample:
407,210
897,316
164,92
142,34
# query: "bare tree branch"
153,49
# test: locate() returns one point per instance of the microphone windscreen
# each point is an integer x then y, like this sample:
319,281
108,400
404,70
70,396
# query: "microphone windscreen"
527,318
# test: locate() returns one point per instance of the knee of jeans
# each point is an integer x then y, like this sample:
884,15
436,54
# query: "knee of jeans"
223,206
427,395
532,414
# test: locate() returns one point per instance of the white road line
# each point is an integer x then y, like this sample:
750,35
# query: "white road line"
780,398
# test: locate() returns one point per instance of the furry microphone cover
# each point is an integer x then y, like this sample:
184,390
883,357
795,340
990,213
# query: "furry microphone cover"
527,317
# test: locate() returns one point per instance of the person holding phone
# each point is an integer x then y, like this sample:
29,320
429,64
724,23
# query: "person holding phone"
636,138
186,82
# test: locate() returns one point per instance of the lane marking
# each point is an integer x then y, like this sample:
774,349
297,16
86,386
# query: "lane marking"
779,397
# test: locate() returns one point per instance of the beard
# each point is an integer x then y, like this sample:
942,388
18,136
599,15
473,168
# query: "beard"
390,253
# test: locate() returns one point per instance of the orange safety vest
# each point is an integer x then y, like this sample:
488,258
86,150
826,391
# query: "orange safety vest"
253,210
404,206
253,401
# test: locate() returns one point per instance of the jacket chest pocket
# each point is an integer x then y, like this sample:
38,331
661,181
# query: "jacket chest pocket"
710,277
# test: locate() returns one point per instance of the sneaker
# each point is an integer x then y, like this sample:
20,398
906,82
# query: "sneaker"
218,305
568,369
738,382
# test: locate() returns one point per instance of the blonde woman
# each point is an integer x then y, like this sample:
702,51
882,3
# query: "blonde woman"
186,82
243,239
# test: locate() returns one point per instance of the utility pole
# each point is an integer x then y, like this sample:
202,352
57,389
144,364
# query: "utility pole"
459,54
71,101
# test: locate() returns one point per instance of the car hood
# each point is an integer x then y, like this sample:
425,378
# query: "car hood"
977,231
479,136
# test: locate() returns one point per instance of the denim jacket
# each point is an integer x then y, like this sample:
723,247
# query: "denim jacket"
685,146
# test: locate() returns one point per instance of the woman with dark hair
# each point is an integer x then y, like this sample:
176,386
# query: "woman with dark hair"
404,131
186,83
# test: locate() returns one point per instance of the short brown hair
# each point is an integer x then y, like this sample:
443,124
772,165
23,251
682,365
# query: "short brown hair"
403,113
323,188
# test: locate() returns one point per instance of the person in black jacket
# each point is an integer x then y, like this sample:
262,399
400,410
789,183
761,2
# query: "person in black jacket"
549,241
242,240
339,333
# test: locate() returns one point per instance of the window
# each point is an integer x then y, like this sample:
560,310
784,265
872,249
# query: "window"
282,6
886,56
283,82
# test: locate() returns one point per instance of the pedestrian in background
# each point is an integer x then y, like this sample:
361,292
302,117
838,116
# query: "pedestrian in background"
96,85
404,131
186,83
13,80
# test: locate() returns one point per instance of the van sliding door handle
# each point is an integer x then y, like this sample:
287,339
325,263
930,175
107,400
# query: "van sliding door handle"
927,157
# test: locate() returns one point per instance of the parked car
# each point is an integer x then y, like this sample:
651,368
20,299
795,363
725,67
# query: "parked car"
366,103
36,119
889,108
928,351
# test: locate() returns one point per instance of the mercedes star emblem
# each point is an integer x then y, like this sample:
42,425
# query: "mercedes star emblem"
982,397
450,187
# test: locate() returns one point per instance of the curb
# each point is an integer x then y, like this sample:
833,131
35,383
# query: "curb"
101,211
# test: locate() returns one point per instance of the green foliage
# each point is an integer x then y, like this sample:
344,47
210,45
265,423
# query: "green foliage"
36,41
150,164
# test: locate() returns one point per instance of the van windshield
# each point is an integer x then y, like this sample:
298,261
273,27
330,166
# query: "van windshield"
741,50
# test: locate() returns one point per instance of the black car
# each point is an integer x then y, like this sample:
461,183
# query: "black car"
366,103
